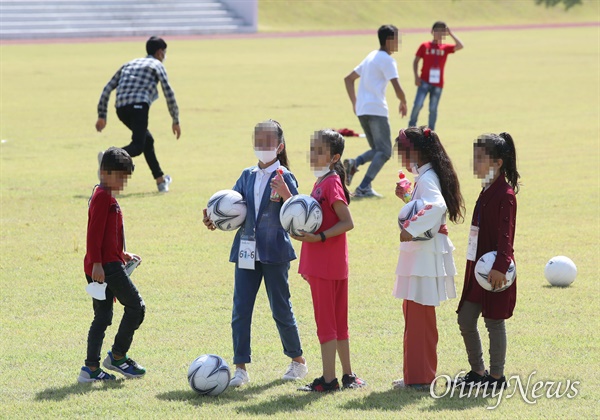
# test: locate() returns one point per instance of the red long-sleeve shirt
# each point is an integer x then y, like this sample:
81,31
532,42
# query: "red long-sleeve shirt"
104,232
496,216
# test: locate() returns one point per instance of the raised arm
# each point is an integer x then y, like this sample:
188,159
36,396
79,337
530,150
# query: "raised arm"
459,45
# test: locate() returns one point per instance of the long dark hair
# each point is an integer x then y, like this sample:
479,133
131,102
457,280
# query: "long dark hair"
272,125
502,146
427,143
336,147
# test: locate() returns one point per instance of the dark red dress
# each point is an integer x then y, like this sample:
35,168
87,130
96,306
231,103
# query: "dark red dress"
496,215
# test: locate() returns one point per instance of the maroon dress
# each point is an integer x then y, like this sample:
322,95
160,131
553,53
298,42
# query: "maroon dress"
496,215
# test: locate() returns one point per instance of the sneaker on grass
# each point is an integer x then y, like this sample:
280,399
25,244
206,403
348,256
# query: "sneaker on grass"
295,371
368,192
470,378
124,366
350,168
352,382
399,384
163,187
319,385
88,375
240,378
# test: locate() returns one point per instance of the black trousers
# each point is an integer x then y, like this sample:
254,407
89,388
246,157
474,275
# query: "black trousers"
119,285
135,117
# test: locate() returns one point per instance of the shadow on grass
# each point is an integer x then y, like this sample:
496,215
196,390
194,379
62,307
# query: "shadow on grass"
288,403
391,400
60,393
454,402
230,394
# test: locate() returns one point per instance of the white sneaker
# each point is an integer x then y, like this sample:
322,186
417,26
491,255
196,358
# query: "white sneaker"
398,383
163,187
295,371
239,378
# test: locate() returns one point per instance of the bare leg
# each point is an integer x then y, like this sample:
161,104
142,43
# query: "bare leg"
328,356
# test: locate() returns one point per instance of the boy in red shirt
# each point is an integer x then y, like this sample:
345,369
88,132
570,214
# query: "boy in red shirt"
104,263
431,81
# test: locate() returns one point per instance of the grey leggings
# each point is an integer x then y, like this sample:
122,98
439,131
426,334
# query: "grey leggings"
467,320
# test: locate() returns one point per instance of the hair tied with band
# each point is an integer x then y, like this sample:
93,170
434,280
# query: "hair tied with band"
427,132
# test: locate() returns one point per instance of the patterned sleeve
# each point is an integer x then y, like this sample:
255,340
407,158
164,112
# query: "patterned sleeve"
104,97
507,216
169,94
240,184
435,207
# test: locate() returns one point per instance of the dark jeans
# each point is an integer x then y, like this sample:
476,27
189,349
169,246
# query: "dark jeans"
135,117
119,285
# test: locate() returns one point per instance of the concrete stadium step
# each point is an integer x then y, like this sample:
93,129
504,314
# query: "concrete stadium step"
93,18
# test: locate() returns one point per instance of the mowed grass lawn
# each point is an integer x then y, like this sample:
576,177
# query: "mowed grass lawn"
542,86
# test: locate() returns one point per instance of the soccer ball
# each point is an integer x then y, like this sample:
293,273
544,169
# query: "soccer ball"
301,213
410,212
209,375
227,209
484,266
560,271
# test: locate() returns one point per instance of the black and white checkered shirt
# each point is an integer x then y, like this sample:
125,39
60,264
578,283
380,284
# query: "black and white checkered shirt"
136,82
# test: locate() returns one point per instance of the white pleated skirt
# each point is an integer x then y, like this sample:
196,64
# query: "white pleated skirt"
425,271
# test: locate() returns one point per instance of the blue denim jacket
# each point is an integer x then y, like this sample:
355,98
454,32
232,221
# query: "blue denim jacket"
272,241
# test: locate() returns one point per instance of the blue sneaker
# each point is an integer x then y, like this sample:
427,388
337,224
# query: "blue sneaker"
87,375
125,366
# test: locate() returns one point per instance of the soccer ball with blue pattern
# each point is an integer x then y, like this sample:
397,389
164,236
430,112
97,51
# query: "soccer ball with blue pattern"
209,375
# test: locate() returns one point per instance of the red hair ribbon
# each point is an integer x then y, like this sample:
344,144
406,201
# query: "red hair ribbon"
427,132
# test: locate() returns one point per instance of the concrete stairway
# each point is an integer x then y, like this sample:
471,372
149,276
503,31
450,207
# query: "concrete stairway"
23,19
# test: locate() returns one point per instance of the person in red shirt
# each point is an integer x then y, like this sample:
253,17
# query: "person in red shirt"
324,260
492,229
431,81
104,263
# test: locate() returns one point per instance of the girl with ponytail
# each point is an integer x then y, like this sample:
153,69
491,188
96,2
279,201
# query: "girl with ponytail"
324,260
492,229
425,271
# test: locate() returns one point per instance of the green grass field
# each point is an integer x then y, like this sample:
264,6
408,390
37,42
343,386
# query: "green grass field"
540,85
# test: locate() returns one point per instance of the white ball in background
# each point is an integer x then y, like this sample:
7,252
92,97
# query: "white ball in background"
560,271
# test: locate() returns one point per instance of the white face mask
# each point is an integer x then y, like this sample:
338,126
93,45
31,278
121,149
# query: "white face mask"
414,168
266,156
319,172
488,178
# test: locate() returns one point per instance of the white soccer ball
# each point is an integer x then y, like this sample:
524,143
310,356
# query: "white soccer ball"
484,266
209,375
410,212
227,209
301,213
560,271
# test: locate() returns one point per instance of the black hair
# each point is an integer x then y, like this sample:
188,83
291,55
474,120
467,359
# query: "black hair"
439,25
336,147
427,143
502,146
154,44
386,32
274,125
116,159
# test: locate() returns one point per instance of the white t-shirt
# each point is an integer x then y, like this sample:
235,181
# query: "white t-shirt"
375,71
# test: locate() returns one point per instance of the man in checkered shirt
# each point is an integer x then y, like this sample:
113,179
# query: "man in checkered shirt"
136,84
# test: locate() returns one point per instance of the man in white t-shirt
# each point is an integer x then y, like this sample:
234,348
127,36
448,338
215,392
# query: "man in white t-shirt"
375,71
